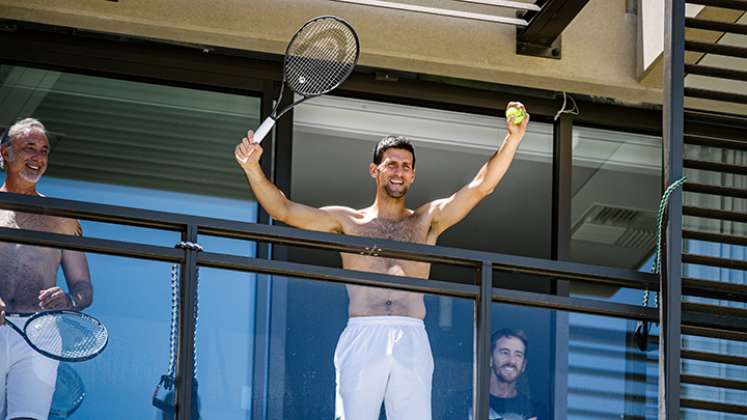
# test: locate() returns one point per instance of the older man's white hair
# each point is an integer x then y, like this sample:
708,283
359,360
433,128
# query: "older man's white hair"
14,131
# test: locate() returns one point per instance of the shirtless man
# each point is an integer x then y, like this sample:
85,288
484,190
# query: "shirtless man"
384,354
28,277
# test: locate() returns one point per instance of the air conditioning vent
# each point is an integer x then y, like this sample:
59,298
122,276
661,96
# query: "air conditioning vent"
617,226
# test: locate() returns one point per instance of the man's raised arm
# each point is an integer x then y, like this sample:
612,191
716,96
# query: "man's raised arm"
273,200
447,212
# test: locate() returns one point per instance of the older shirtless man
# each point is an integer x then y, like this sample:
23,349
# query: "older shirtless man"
384,354
28,277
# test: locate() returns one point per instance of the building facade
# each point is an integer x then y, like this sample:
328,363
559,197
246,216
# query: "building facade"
145,101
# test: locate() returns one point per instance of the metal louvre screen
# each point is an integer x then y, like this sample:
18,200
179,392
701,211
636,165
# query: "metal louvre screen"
321,56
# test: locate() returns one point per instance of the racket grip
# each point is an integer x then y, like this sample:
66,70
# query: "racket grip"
263,130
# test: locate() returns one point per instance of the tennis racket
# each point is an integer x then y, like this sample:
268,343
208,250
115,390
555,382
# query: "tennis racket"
69,392
319,57
63,335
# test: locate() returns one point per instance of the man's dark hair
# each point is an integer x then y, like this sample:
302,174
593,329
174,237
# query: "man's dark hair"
508,332
392,142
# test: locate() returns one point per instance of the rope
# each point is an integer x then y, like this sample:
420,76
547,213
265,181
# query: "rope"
656,266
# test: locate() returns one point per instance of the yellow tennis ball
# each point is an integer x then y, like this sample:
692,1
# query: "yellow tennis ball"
517,113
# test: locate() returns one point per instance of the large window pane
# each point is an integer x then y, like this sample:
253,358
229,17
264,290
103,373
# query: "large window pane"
616,188
156,147
563,365
306,319
333,141
143,136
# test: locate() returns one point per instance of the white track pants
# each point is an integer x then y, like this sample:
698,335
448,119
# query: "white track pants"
383,359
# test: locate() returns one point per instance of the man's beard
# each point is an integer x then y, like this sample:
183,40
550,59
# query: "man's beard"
501,377
31,177
396,194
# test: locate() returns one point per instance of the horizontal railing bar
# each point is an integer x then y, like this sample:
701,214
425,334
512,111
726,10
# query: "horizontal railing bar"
577,305
714,166
336,242
714,237
707,213
360,278
714,25
711,289
89,244
715,141
714,190
718,72
337,275
718,49
713,406
727,4
726,359
94,211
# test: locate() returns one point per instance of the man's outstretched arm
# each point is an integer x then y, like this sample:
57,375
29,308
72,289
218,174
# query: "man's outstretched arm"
326,219
447,212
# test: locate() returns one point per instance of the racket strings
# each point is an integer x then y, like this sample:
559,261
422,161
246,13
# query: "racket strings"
320,57
67,336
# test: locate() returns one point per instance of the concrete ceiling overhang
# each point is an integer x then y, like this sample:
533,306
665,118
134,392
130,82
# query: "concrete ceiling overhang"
598,46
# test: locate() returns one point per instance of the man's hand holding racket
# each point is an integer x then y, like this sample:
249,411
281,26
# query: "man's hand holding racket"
54,298
248,153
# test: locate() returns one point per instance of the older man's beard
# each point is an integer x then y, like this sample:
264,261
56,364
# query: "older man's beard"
28,175
31,177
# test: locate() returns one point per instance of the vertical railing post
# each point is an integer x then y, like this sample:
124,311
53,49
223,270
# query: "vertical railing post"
481,391
670,315
185,361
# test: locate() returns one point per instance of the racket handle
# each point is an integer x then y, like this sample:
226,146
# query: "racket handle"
263,130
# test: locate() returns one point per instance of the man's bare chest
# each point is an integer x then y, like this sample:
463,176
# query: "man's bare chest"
31,221
410,229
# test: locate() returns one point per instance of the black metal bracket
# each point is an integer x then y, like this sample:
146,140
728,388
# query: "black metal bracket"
538,50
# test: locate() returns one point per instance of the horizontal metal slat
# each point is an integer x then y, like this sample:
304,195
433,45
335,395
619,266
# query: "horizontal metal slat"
716,309
712,289
713,406
718,49
716,95
438,11
713,25
715,142
714,166
727,4
714,190
714,382
714,214
714,237
719,72
703,356
714,262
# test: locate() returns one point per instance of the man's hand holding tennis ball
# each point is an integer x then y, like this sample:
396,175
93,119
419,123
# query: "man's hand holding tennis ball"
517,118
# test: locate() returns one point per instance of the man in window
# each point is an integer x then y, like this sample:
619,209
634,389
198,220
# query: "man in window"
28,279
508,361
383,355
